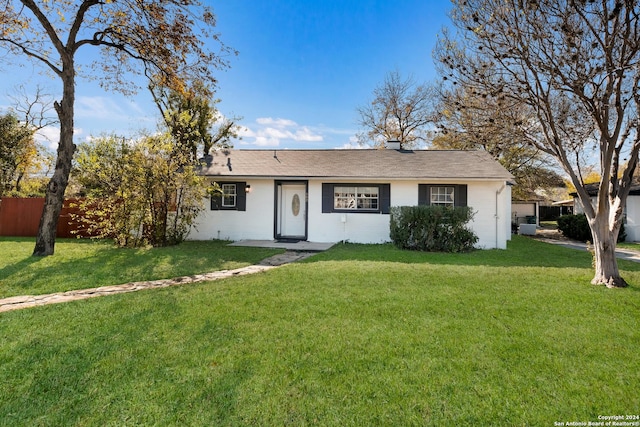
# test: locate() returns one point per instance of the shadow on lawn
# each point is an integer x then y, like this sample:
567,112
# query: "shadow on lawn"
80,264
18,266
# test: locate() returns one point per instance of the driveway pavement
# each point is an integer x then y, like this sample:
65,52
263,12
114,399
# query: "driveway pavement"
548,236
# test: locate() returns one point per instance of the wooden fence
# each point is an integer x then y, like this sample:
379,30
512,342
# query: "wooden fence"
21,217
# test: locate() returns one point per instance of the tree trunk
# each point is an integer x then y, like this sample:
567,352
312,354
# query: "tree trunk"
606,263
54,198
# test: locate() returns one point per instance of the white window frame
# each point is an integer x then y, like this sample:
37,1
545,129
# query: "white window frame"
229,195
442,196
360,198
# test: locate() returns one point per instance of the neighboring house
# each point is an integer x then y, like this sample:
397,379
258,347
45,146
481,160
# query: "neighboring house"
525,212
345,195
631,210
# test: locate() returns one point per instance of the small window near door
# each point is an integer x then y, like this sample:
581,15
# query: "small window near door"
229,195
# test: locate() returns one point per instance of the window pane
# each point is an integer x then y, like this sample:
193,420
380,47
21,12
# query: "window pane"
368,198
442,196
344,197
355,198
229,195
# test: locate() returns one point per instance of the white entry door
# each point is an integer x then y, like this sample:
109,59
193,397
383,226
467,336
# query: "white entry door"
292,211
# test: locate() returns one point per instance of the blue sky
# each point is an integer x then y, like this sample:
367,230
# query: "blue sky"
303,68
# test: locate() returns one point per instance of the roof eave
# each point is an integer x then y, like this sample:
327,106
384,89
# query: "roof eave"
351,177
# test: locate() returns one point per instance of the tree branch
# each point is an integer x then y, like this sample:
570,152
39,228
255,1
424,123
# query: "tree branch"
46,25
33,55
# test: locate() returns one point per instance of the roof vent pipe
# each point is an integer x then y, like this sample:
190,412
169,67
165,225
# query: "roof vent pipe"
392,144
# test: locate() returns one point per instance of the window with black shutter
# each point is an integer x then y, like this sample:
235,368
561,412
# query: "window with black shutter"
356,198
232,198
442,194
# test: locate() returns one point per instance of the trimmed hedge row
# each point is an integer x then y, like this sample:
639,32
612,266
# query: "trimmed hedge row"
432,228
576,227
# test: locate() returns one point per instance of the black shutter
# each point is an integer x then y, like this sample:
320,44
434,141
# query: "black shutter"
460,195
216,201
423,194
241,196
385,198
327,198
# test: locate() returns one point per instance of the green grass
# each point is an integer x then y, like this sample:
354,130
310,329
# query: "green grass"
358,335
81,264
634,246
551,225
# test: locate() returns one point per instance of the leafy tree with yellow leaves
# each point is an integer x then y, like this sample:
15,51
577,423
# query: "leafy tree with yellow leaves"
169,41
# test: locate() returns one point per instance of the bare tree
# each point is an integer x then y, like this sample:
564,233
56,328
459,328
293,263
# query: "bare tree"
466,120
401,110
165,40
574,66
36,108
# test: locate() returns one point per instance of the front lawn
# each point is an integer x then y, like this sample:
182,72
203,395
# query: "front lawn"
358,335
82,264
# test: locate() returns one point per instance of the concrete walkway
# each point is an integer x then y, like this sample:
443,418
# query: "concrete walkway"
26,301
295,251
290,246
552,238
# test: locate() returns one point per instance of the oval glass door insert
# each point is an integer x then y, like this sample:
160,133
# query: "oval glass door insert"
295,205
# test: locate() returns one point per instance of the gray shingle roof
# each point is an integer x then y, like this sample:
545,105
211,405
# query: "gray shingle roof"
369,163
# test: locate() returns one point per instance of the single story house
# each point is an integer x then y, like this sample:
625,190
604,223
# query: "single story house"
631,210
524,212
345,195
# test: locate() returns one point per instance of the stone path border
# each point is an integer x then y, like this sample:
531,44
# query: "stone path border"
26,301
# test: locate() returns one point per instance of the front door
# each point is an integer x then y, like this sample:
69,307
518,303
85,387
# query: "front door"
291,210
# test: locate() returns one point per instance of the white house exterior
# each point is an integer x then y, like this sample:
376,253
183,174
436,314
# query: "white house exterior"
631,210
345,195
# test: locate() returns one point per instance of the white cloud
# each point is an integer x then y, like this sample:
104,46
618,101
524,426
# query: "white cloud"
270,132
269,121
103,114
350,146
49,136
305,134
354,144
109,110
98,107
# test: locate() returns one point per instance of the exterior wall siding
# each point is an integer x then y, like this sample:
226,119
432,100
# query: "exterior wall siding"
492,221
522,210
632,226
632,214
257,222
350,227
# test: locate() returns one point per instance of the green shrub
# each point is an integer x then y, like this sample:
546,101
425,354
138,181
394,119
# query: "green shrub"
432,228
576,227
